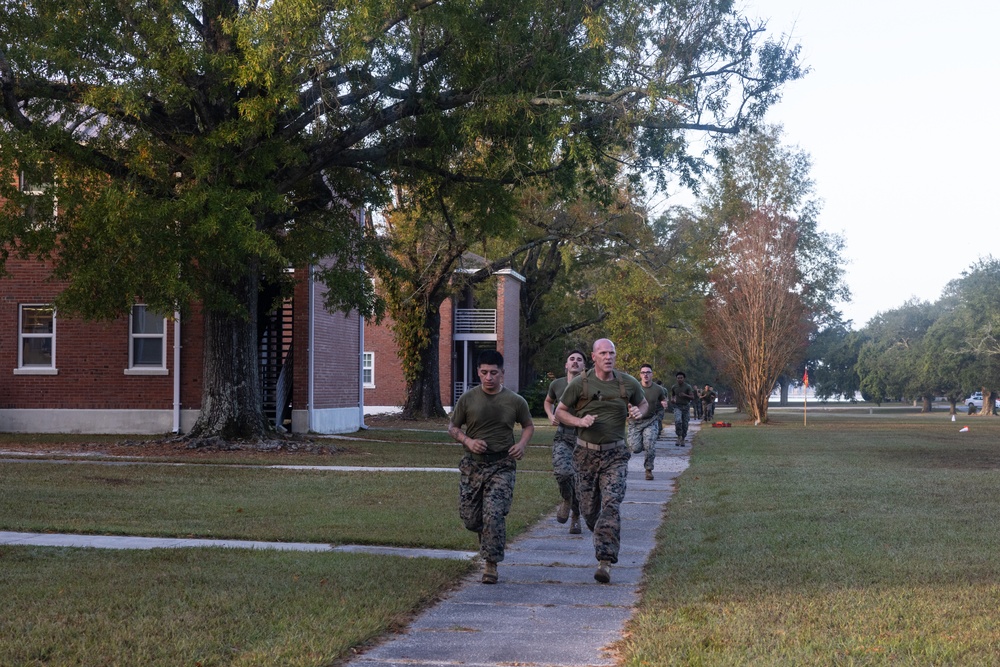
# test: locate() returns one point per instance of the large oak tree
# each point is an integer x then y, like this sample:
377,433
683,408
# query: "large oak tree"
197,148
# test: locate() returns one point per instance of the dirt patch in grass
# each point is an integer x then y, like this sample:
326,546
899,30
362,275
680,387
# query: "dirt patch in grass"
397,422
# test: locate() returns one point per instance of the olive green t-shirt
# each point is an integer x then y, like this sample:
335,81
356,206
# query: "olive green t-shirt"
606,404
556,388
491,417
654,394
678,391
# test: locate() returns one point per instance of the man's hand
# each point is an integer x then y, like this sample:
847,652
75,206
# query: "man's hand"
587,421
552,418
634,412
517,451
475,446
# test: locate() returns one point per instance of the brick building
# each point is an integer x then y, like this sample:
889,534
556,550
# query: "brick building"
143,373
464,331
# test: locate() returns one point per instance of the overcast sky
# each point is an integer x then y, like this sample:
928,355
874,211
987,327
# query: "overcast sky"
900,115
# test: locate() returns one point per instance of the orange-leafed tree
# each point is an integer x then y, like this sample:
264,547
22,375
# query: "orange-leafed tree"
755,319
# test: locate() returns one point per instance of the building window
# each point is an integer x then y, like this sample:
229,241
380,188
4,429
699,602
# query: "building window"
368,370
147,340
36,339
39,201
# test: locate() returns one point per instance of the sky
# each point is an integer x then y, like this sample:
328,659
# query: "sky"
901,116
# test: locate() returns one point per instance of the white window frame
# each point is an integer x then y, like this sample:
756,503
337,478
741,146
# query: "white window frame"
146,369
34,369
368,366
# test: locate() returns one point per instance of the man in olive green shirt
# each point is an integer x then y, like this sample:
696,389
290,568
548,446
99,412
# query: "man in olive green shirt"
598,403
486,487
564,443
643,432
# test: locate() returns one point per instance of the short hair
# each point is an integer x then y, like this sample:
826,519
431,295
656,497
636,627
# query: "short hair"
649,366
681,374
575,351
490,358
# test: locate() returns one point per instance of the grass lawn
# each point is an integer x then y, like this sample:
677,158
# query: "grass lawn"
232,607
205,607
859,539
419,444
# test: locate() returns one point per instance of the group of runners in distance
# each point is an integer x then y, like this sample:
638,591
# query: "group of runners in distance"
602,416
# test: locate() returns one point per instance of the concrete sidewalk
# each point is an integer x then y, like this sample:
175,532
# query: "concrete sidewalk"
131,542
546,610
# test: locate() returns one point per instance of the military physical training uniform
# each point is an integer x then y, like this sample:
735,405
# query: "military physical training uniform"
642,433
681,415
601,455
708,404
563,445
486,485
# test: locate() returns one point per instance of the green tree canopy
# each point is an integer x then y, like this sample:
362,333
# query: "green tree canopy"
200,147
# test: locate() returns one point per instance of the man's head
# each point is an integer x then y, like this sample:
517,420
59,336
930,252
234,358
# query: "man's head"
604,355
489,366
576,362
681,377
646,375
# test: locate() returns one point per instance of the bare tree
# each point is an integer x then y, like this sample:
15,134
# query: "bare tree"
756,320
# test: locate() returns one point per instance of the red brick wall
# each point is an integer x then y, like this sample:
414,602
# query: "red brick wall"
90,357
390,389
337,359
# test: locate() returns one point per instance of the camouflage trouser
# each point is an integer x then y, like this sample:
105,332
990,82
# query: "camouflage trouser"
600,486
562,465
642,436
681,418
485,492
708,410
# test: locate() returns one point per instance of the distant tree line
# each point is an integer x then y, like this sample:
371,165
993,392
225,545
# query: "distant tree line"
920,351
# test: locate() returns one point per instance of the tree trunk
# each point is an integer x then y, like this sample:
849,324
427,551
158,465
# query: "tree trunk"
423,395
989,404
783,384
231,405
926,404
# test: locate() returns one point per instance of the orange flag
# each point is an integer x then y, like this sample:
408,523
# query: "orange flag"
805,378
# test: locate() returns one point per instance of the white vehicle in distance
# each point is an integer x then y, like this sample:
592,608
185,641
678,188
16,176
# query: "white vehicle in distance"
975,402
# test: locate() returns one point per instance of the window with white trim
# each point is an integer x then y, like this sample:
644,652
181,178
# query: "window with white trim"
368,369
147,333
36,332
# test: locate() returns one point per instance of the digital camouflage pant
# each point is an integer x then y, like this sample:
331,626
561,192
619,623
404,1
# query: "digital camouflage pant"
642,436
562,465
600,487
485,493
681,418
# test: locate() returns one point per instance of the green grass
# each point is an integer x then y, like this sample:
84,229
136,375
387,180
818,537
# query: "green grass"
373,447
392,508
233,607
205,607
850,541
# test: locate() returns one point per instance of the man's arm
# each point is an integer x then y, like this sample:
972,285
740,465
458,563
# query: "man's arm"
472,444
527,430
550,410
564,417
